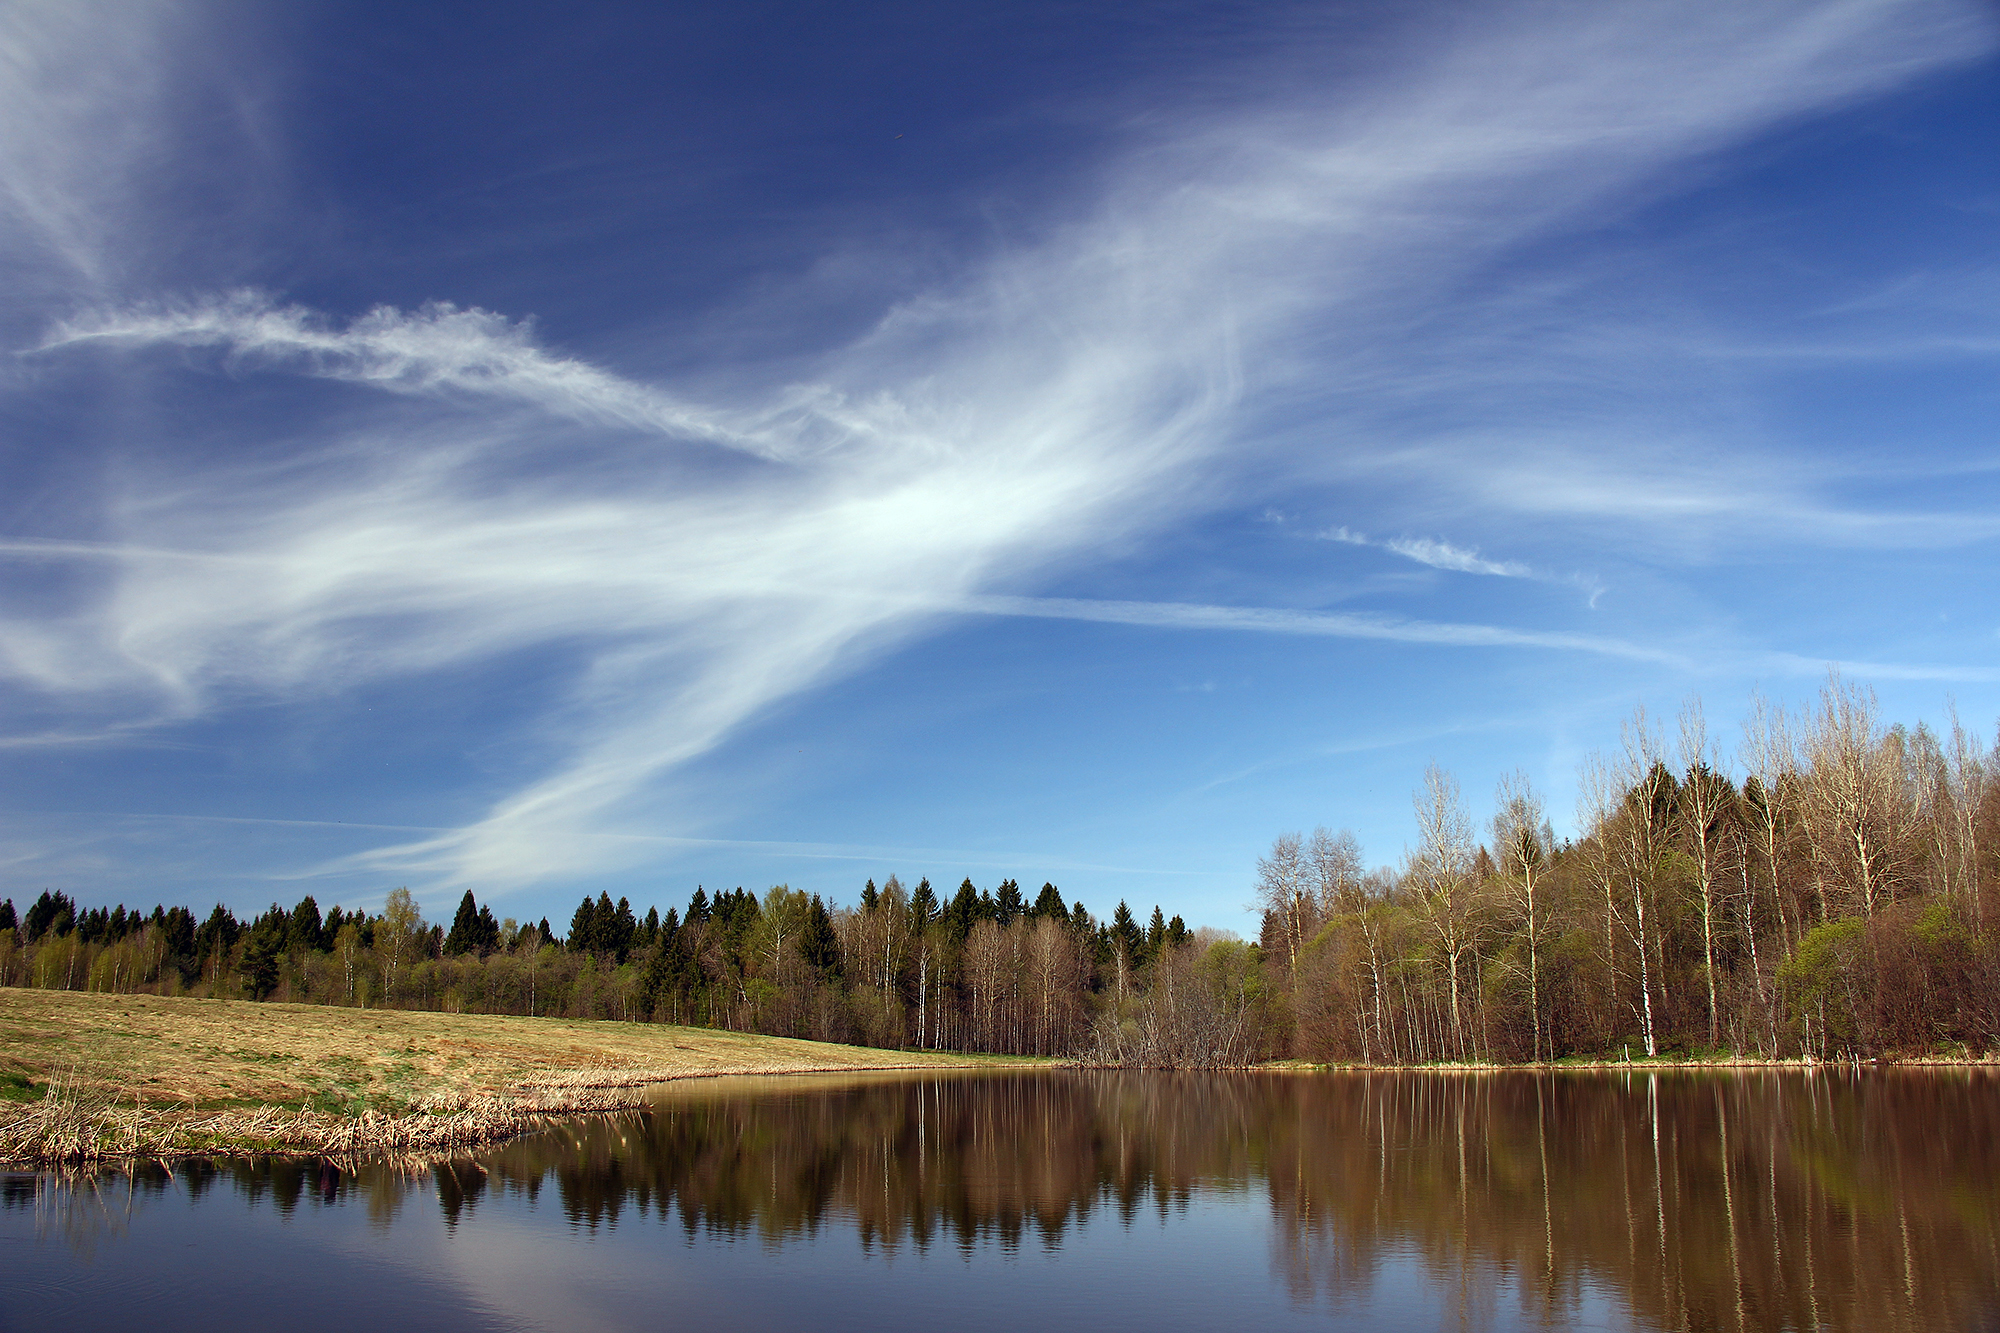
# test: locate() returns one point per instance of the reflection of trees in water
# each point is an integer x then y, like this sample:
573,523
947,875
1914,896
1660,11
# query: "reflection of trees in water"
1753,1202
1697,1201
904,1161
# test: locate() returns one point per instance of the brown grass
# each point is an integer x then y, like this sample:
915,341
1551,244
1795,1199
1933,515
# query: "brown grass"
101,1077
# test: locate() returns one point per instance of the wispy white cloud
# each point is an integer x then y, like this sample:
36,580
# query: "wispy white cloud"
1320,624
1436,554
1053,398
439,349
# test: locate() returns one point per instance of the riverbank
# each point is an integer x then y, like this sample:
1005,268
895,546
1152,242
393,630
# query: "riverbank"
87,1078
1654,1064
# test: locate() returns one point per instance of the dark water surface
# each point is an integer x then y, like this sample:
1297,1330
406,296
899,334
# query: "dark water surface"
1058,1200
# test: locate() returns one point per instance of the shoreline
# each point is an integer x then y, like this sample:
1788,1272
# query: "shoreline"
1656,1064
92,1080
72,1129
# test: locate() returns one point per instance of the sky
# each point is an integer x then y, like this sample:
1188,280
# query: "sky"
562,449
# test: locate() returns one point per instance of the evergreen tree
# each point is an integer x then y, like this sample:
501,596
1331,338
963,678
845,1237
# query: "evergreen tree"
217,935
464,936
177,933
308,931
622,928
487,938
869,897
51,914
583,927
923,907
1007,903
1125,933
263,946
548,935
961,914
1049,903
817,944
698,909
1156,934
8,922
1177,931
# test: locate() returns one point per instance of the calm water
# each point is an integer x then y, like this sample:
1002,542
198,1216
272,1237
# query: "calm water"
1101,1201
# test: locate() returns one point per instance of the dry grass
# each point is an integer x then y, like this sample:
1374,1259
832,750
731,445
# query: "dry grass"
116,1076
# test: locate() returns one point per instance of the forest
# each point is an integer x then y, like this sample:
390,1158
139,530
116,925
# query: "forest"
1821,891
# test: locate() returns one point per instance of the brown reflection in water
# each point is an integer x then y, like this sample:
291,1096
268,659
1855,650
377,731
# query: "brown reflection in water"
1698,1201
1727,1202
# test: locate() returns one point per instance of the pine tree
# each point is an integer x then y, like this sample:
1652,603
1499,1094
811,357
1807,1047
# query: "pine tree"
817,944
623,925
583,927
1007,903
961,915
923,907
51,914
869,897
7,921
1049,903
464,936
1125,932
308,931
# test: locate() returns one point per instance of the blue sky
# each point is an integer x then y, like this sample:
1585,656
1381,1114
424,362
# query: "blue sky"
567,451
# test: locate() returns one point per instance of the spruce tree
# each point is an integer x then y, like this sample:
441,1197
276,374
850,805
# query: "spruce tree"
464,936
961,914
923,907
8,922
817,945
583,927
623,925
1049,903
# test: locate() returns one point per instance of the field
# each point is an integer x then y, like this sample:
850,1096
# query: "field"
94,1076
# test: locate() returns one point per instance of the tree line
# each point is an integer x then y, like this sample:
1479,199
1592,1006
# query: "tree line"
980,970
1825,895
1823,891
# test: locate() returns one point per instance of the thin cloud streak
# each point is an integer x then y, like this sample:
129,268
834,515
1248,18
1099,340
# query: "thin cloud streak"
1322,624
1436,554
439,349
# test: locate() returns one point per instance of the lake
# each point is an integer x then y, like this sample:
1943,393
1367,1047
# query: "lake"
1064,1199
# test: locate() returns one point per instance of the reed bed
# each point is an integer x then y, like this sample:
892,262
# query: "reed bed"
76,1126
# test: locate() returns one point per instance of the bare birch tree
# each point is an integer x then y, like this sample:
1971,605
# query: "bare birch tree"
1441,870
1705,800
1858,813
1522,846
1284,891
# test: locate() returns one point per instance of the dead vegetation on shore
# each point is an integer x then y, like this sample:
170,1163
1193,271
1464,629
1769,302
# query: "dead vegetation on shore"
93,1079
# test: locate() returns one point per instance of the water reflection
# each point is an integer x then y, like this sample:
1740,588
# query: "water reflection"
1748,1202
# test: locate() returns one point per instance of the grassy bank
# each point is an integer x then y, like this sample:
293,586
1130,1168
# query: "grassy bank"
87,1077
